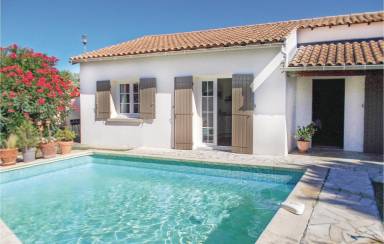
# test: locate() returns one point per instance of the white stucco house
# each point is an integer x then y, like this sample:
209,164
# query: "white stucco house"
244,89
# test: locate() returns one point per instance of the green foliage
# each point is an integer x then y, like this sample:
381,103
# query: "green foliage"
68,75
65,135
305,133
28,135
10,142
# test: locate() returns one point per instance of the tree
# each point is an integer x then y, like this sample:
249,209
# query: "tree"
32,88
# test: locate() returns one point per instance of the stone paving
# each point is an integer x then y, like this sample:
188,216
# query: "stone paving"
346,211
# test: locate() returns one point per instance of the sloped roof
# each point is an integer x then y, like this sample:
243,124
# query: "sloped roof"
365,52
224,37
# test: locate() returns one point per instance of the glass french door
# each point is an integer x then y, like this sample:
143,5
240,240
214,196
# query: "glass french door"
208,112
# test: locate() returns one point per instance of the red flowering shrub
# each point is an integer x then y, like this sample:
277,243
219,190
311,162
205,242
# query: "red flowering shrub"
32,88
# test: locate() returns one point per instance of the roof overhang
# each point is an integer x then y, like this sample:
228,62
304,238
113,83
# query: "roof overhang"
182,52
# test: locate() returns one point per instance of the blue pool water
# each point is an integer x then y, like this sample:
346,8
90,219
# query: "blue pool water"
111,199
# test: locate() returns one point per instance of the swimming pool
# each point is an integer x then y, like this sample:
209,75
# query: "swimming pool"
104,198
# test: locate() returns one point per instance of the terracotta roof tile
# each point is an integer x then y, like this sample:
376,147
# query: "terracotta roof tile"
226,37
339,53
342,20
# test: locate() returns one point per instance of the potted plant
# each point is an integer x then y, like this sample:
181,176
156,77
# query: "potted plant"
48,147
304,136
48,144
28,139
65,138
8,154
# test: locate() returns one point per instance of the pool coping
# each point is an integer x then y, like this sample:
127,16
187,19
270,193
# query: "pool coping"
283,227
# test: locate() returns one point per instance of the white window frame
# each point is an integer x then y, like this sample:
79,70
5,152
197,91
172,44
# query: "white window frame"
214,111
131,98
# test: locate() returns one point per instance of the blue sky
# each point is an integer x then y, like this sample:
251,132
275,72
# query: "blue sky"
55,26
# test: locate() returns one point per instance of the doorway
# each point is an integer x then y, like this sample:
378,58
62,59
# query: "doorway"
224,112
328,112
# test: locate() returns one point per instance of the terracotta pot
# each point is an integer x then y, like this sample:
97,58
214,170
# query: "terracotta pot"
65,146
48,149
303,146
8,156
29,154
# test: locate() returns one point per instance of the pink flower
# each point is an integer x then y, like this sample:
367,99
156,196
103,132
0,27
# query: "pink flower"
41,101
12,94
41,81
29,75
13,55
11,110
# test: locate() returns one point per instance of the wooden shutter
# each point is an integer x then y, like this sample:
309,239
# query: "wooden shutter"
373,112
242,113
183,113
103,96
147,98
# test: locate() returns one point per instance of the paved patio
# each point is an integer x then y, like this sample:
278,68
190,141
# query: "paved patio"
336,190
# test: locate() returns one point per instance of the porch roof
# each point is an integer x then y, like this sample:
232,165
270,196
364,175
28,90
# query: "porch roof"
340,53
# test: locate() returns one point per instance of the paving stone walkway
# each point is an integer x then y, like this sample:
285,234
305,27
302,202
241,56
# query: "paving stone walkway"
346,211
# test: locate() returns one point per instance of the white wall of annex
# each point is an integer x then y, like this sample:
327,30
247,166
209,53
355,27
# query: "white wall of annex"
341,32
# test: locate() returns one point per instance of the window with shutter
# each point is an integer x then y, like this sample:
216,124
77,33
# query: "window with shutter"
147,104
129,99
242,113
103,96
183,112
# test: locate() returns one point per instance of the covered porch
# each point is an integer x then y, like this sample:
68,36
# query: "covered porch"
339,87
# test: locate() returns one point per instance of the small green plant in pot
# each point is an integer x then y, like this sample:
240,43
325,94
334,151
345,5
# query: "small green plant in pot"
8,152
65,138
304,136
28,139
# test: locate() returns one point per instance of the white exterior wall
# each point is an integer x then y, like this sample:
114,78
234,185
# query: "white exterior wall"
341,32
291,112
353,108
303,101
270,94
290,50
354,113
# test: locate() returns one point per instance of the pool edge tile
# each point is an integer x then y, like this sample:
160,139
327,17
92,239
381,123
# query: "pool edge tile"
7,236
46,161
205,161
286,227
